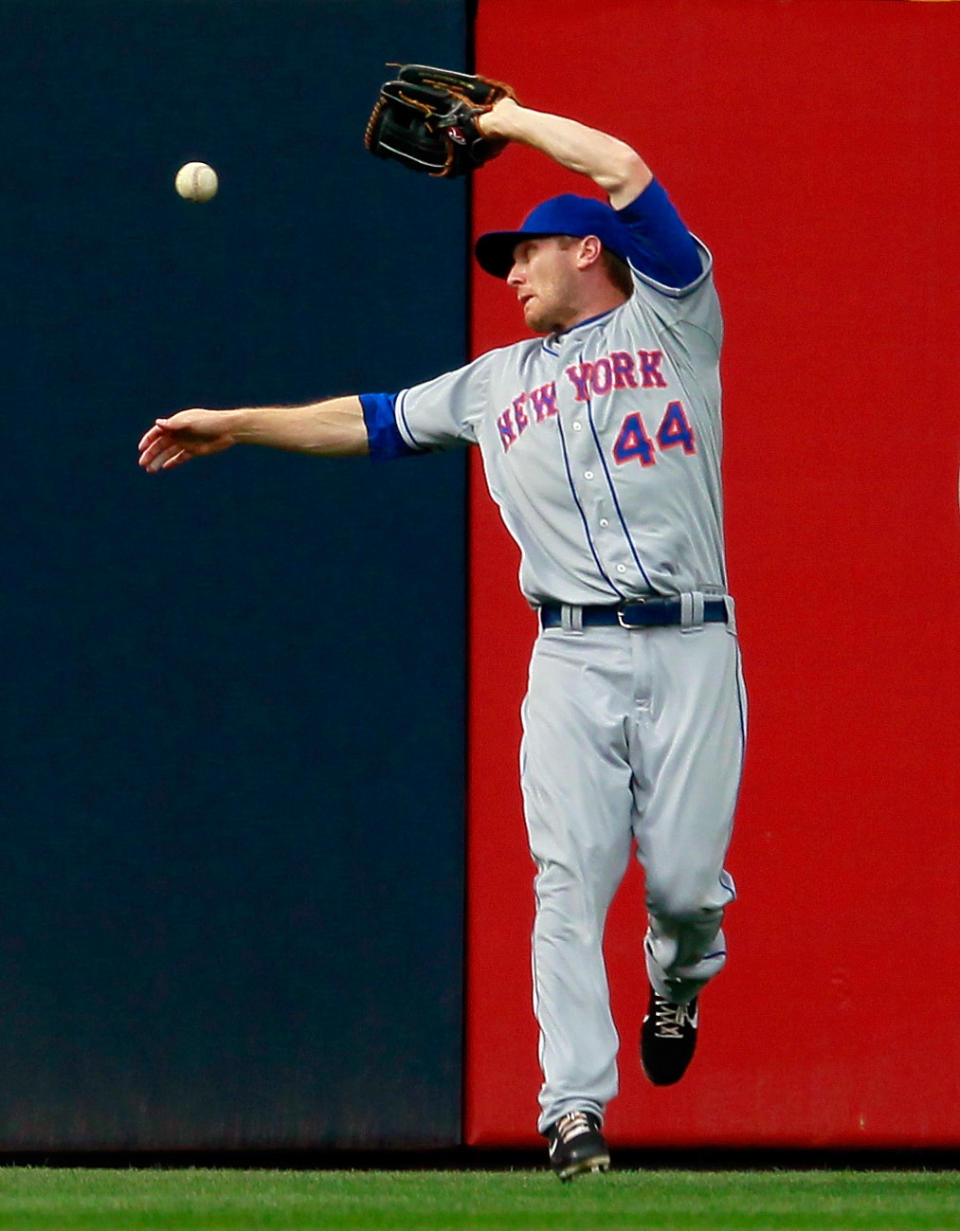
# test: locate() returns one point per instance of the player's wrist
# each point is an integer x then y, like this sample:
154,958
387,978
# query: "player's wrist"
245,425
500,122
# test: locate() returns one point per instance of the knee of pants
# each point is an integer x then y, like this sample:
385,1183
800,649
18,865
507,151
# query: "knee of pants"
676,910
689,895
570,898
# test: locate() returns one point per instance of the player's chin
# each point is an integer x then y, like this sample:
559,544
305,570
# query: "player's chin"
536,320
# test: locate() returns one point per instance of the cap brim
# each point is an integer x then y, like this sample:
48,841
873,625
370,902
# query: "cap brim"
494,251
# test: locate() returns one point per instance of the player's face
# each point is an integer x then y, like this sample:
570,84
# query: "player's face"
546,279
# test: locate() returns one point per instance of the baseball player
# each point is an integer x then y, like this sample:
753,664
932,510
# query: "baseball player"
600,438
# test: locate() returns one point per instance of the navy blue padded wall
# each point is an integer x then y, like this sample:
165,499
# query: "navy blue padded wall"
232,795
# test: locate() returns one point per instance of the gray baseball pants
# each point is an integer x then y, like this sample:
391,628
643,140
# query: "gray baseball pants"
630,736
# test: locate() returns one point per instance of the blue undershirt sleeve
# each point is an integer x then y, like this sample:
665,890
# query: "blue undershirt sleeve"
385,440
664,249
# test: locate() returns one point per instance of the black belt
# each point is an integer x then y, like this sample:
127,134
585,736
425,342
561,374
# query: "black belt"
638,613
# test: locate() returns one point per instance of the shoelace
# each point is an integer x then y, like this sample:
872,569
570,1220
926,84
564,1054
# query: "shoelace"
572,1125
671,1018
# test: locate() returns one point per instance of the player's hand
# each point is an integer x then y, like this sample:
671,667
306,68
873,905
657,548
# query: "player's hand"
191,433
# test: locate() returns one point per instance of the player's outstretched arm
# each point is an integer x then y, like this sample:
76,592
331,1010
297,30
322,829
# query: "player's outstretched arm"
612,164
333,428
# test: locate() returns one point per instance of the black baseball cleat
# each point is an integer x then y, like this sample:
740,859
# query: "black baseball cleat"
668,1039
577,1145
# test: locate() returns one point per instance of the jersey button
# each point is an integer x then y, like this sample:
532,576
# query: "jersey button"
604,522
588,474
621,568
578,427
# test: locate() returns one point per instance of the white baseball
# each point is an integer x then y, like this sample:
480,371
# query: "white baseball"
196,182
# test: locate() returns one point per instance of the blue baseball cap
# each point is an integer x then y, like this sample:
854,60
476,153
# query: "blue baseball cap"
564,215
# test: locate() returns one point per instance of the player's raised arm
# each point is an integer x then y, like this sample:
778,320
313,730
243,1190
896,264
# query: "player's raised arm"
333,428
609,162
445,123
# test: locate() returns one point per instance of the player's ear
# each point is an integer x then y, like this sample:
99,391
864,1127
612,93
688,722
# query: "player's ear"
589,252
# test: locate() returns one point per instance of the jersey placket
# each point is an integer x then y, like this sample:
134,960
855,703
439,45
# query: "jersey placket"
592,484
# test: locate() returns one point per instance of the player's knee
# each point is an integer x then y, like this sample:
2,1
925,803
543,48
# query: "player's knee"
681,906
571,898
688,895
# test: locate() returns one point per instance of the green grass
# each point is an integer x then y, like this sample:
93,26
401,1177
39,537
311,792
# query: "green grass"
221,1200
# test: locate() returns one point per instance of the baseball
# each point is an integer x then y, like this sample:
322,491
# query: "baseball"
196,182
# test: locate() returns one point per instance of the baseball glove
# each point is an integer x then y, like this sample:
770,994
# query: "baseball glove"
426,119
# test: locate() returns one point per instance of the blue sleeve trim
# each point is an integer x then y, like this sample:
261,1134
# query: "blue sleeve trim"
386,442
664,249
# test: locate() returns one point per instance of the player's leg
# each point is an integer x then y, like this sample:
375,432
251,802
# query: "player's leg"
689,744
577,801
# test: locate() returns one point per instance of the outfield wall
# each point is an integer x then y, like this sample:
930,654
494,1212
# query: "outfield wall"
814,147
231,867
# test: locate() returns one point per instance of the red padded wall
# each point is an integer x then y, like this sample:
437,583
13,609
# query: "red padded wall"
814,147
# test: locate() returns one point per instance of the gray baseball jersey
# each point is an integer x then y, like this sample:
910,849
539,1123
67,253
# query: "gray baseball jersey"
601,446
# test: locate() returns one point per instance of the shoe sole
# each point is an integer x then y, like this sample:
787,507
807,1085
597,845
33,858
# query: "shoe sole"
662,1081
600,1162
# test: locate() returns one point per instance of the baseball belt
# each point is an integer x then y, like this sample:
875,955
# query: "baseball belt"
639,613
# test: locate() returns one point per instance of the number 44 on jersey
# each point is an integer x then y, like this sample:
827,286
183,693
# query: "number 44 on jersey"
633,442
